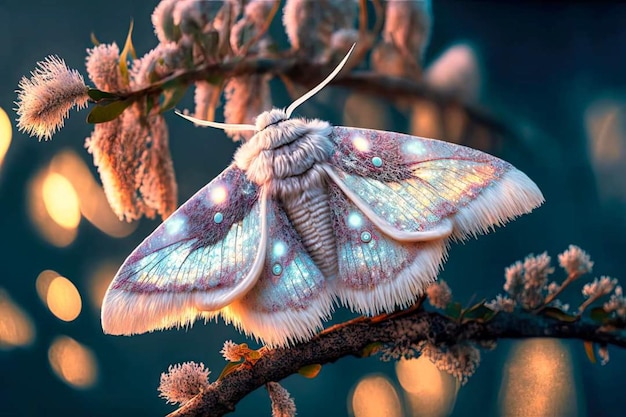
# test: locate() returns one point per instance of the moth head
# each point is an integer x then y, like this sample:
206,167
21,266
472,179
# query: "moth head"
273,116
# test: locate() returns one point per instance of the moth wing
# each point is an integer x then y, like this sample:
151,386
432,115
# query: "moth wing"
291,298
418,189
206,254
411,194
377,272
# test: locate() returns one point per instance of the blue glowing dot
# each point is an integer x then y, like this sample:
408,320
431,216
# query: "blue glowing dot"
279,249
377,162
355,220
176,224
414,147
277,269
218,217
366,237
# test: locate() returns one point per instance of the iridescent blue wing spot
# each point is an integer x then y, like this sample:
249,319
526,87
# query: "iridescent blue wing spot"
418,189
206,254
291,297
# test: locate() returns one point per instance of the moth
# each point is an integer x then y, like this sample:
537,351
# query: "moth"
309,214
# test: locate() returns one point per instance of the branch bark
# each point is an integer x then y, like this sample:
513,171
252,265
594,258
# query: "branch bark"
351,338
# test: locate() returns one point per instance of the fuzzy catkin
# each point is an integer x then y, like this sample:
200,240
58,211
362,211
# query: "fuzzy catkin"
45,99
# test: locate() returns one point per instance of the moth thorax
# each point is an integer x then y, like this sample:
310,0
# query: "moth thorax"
285,150
270,117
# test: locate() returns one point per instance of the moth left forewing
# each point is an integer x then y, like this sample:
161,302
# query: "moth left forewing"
291,298
425,186
377,272
206,254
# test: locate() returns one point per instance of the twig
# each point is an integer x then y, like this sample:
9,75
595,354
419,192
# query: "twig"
263,30
570,278
351,338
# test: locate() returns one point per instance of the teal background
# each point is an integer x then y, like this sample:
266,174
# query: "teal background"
542,67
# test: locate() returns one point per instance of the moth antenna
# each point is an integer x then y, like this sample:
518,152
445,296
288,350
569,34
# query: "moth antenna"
217,125
321,85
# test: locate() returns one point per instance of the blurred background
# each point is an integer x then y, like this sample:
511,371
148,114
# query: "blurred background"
553,74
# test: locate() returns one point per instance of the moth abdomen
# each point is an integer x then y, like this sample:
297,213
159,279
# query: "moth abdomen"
309,214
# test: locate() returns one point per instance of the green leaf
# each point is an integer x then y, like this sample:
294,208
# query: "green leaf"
599,314
453,310
590,351
149,104
94,40
558,314
107,112
98,95
310,371
128,49
371,349
209,42
171,97
229,369
479,312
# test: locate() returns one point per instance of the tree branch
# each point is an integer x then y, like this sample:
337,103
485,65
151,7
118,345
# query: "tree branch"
351,338
309,74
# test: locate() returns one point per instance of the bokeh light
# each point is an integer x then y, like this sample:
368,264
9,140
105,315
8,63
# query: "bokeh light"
42,283
72,362
606,134
457,72
63,299
92,200
61,200
538,381
6,134
456,121
59,294
430,392
375,396
426,120
39,212
64,190
362,110
99,281
16,327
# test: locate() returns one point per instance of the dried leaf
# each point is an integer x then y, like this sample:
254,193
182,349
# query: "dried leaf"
589,350
94,40
128,48
310,371
371,349
229,369
558,314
